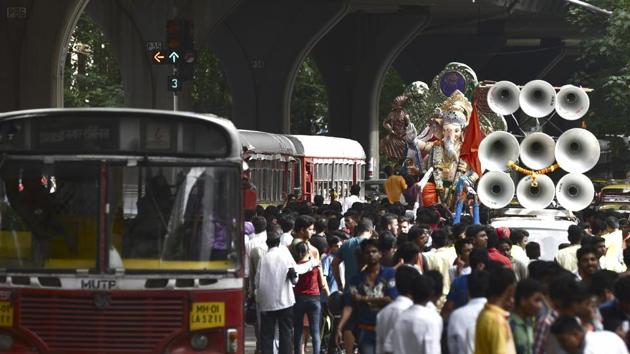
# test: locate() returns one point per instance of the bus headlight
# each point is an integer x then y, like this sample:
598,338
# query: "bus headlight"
199,341
232,340
6,342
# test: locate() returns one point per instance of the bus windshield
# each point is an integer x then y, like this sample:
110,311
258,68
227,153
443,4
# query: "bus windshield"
175,218
158,217
49,214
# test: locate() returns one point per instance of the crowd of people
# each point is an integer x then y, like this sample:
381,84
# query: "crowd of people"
391,282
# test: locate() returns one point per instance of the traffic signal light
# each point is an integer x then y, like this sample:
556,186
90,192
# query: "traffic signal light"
179,39
179,34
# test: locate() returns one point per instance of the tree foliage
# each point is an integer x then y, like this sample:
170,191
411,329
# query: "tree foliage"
210,91
309,101
91,73
605,57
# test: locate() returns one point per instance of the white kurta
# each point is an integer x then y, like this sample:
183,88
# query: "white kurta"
600,342
257,240
417,331
386,319
273,290
286,239
461,327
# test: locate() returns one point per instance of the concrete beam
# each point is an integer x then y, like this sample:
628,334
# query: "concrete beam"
427,55
261,46
353,60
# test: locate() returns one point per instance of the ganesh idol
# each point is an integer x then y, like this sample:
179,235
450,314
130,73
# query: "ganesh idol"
442,152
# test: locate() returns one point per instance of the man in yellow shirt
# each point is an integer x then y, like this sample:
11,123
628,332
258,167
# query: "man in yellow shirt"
394,185
493,333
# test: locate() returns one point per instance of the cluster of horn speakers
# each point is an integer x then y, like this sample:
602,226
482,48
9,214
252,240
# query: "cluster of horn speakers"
576,150
538,99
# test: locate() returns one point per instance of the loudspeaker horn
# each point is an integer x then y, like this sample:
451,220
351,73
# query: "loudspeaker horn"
577,150
495,189
538,98
537,151
503,98
575,191
572,102
497,149
538,197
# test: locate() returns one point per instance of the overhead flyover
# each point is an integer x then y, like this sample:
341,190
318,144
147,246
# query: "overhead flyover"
261,45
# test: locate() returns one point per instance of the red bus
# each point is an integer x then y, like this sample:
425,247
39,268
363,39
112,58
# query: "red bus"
120,232
328,163
306,165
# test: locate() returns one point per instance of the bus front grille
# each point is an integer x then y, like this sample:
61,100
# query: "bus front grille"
101,323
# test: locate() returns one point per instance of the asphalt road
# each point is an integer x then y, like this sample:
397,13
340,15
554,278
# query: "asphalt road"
250,340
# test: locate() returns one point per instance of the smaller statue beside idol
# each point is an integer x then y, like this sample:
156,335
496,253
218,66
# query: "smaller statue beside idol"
397,122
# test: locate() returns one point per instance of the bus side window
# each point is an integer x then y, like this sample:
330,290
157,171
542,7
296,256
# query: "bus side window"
308,176
297,182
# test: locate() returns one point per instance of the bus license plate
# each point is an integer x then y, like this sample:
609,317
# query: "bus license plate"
207,315
6,314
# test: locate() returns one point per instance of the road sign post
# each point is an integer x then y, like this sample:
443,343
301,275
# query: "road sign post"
174,83
180,53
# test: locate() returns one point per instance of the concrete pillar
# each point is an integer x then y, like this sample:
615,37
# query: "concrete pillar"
34,52
261,46
119,25
353,59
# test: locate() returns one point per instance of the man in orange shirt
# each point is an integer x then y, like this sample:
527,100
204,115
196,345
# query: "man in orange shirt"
394,185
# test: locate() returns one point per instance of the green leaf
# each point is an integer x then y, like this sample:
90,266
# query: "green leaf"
91,72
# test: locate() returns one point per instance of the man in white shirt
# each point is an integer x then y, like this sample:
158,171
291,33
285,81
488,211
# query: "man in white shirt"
419,328
388,316
255,255
519,239
355,190
461,265
460,331
614,243
274,295
258,240
443,258
567,257
573,339
287,222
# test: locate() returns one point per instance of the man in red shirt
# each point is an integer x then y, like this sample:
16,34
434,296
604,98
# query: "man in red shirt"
493,253
487,238
477,233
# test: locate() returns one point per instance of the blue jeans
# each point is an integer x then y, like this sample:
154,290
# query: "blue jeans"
311,306
366,342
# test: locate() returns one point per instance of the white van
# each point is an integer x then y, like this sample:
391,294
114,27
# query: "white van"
547,227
